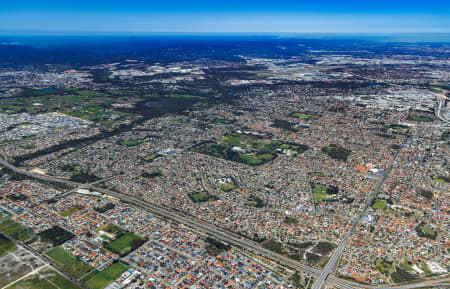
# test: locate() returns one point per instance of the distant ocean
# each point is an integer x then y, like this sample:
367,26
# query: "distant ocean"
133,41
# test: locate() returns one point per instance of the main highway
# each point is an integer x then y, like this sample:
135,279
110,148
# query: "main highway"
340,249
220,234
441,98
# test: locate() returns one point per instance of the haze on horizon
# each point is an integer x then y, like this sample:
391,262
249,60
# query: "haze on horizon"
200,16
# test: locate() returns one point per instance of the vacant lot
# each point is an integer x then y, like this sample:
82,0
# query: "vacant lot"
324,248
16,230
45,280
101,279
69,262
125,244
6,245
15,266
55,235
70,211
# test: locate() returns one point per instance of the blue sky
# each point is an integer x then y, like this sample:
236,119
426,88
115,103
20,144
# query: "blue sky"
273,16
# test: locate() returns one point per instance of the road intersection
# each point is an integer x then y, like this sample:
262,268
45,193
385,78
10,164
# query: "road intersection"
323,276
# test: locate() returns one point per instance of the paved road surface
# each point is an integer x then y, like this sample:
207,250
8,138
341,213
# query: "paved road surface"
218,233
340,249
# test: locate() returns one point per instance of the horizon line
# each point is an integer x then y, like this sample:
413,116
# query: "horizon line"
31,31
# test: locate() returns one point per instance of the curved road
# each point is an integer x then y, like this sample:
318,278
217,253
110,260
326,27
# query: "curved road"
218,233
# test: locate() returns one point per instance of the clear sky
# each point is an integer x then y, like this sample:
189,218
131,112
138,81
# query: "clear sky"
348,16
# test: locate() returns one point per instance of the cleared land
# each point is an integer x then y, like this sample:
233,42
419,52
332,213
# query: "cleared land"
16,230
45,280
6,246
69,262
15,266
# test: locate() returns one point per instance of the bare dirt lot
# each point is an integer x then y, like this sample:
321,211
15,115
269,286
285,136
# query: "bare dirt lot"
16,264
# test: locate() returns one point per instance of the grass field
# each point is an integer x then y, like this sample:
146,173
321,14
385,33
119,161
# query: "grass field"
124,244
420,118
380,205
16,230
69,262
101,279
151,157
221,120
319,192
304,116
255,201
70,211
384,267
87,104
71,168
113,229
47,280
442,179
62,282
251,150
227,187
35,282
257,159
202,197
6,245
320,174
182,96
91,93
